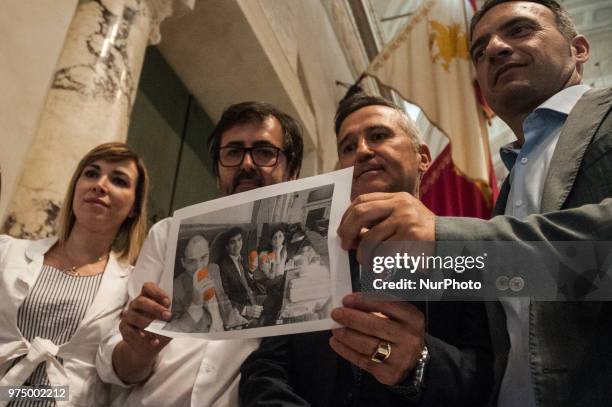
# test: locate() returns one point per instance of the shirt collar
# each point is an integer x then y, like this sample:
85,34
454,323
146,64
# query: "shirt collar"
561,102
565,100
38,248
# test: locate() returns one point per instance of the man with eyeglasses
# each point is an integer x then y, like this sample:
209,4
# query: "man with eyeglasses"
253,145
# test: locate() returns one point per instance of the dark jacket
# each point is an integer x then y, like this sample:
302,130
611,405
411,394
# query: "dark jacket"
233,286
302,370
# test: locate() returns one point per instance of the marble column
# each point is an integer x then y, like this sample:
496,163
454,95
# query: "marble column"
89,102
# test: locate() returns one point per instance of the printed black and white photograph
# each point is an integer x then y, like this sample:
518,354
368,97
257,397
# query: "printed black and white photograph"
263,263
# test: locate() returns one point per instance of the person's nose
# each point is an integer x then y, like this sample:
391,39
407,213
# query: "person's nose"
363,150
497,48
101,185
247,161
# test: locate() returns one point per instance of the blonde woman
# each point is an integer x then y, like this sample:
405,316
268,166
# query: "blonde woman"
59,296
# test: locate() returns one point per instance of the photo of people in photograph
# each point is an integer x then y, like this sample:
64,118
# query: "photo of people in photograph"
269,267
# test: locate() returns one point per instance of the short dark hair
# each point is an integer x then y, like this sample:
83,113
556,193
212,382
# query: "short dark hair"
564,22
234,231
258,112
357,101
279,227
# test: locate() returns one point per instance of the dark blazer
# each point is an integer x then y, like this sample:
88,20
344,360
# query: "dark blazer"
570,342
302,369
233,287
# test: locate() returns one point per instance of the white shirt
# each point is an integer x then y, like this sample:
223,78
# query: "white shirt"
20,264
237,263
188,372
529,168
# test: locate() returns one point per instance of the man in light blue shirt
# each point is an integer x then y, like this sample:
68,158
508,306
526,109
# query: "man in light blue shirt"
529,61
528,165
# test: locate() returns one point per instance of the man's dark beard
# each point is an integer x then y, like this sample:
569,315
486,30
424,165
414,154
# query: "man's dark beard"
246,175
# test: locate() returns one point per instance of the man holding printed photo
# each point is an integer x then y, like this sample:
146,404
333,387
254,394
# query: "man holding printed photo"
387,353
253,145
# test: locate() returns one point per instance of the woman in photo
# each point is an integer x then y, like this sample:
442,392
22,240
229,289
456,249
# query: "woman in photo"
277,252
59,296
272,263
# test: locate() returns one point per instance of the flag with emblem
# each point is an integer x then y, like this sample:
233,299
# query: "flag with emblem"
428,64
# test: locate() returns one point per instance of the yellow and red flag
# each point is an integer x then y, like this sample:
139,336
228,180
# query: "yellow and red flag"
428,64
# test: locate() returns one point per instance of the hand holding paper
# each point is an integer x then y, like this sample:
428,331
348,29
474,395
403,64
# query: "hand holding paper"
141,347
382,216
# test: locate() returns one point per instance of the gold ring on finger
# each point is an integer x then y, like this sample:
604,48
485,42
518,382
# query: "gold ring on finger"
382,352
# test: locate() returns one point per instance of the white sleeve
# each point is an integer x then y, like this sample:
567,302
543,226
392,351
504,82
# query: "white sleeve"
150,263
104,358
5,244
149,267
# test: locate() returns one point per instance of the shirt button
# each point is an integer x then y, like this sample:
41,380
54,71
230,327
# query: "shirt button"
524,160
518,203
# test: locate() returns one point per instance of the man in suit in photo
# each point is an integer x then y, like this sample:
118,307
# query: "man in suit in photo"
238,283
529,62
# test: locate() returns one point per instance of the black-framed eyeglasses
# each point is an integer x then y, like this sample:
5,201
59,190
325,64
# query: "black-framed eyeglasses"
262,156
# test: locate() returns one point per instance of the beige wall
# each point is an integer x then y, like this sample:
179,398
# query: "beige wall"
281,51
305,47
32,33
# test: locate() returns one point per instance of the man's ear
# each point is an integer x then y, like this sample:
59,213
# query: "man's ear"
424,158
580,48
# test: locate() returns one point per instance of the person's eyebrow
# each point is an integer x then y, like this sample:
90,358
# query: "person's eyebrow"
347,137
114,172
264,143
481,40
260,143
122,173
505,26
372,129
368,130
234,144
